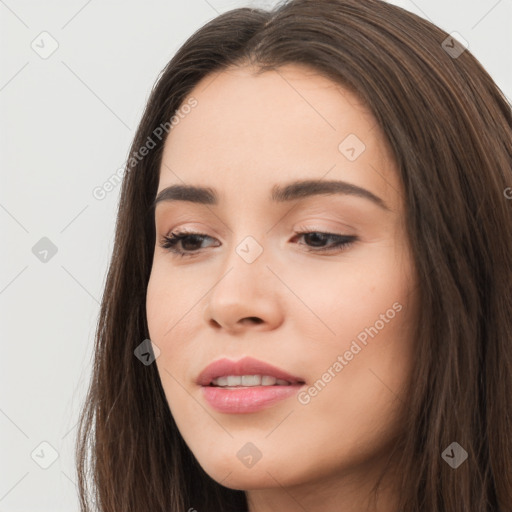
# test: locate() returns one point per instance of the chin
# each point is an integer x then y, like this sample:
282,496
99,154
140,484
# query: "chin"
230,472
244,479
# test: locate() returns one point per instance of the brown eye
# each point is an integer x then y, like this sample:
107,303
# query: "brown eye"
316,241
190,242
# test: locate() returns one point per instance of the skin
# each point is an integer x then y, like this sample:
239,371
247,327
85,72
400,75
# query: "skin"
247,134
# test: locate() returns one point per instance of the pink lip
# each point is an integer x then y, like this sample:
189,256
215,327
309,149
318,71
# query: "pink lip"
245,399
245,366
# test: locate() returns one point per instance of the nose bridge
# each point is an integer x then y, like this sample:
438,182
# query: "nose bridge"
248,240
245,289
245,266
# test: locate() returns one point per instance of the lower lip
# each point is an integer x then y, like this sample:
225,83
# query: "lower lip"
249,399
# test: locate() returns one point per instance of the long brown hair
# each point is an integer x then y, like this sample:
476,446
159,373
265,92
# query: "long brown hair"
450,130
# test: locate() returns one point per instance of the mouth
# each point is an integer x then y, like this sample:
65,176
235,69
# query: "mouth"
246,386
246,372
249,381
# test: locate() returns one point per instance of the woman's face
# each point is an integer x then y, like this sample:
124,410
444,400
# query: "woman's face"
335,311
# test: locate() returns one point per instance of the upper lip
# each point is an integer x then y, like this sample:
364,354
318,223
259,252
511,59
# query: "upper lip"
244,366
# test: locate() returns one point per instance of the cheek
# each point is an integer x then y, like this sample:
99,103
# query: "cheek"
359,348
170,301
171,329
342,299
173,311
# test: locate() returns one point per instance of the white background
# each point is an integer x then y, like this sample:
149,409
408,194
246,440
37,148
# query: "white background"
67,122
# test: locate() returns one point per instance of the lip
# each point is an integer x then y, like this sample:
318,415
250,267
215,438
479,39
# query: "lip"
244,366
245,399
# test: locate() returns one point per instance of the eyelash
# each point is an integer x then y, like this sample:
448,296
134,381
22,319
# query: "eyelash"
170,242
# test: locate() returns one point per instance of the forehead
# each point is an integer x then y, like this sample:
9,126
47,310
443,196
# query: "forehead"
250,131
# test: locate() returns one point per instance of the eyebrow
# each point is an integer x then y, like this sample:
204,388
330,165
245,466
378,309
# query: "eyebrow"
280,193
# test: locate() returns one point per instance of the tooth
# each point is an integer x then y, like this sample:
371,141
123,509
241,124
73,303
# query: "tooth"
251,380
266,380
234,380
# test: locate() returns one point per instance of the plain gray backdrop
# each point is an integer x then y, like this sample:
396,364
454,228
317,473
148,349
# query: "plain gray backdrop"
74,80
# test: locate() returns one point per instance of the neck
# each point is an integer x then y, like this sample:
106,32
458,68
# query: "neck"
345,491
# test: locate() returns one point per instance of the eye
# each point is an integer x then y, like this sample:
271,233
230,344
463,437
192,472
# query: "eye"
320,242
188,239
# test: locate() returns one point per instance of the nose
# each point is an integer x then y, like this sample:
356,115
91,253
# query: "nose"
246,295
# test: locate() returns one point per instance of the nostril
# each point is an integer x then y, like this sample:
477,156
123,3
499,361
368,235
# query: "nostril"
254,319
214,323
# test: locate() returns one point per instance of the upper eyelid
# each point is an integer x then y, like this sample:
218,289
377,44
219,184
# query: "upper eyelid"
300,230
317,225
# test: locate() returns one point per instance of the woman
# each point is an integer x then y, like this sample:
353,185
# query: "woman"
315,234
